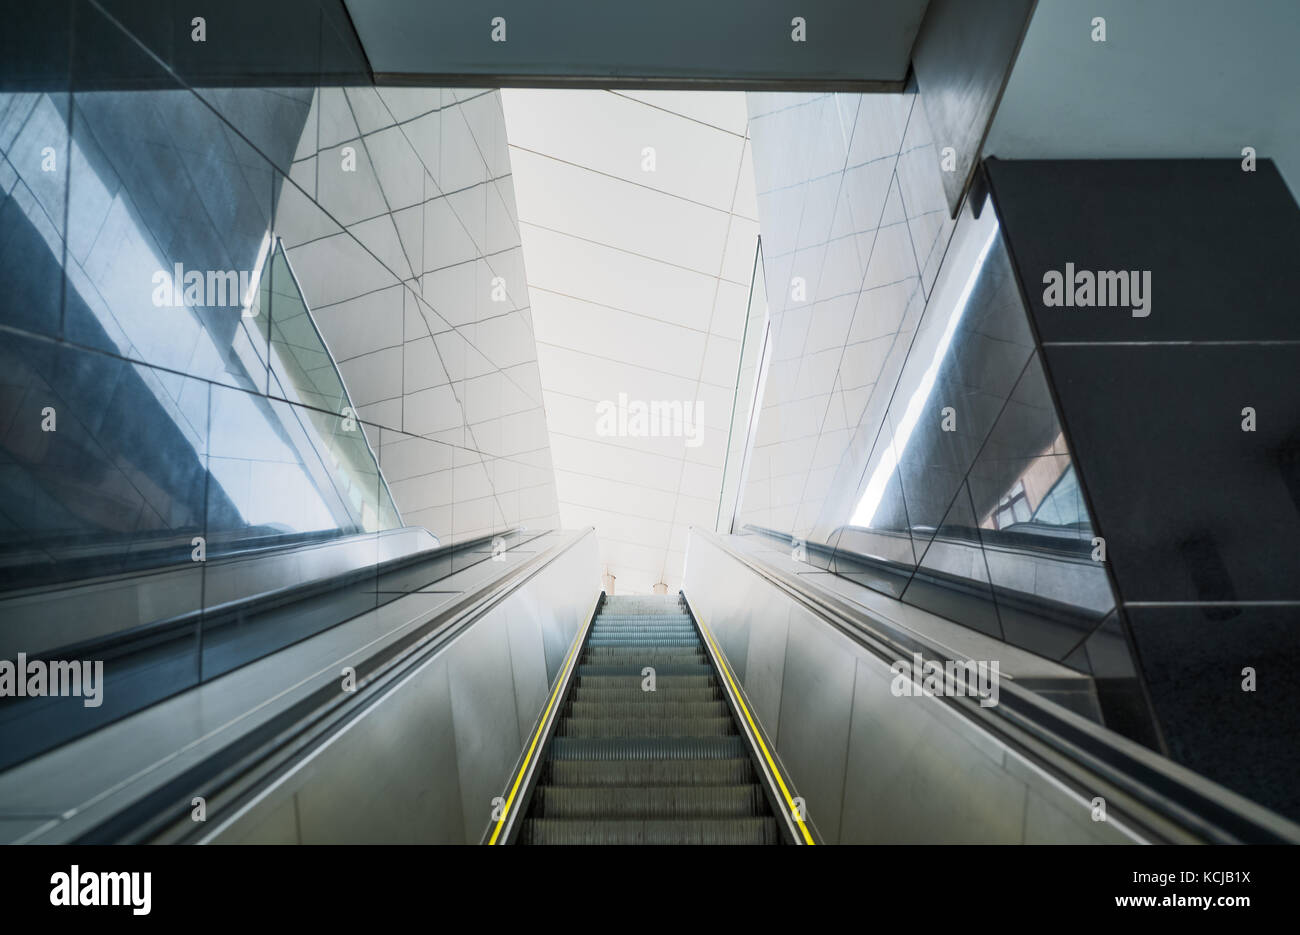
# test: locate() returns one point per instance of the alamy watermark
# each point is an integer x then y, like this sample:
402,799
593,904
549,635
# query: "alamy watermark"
951,679
213,288
1102,289
80,887
673,418
37,678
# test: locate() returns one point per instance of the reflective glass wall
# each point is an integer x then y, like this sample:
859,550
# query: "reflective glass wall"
907,438
222,429
401,224
163,379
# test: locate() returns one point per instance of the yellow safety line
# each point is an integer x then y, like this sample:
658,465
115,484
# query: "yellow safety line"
523,768
717,654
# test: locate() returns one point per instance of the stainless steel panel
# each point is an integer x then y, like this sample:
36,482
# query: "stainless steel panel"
485,717
734,640
274,820
816,703
874,767
392,776
527,661
915,779
561,599
423,764
1047,822
765,668
1055,813
15,829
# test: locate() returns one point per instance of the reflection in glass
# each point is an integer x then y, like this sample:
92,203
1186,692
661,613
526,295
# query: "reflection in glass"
876,548
1035,527
1044,497
210,493
967,503
918,398
952,577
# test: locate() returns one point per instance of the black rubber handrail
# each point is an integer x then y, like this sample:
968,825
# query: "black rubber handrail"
258,756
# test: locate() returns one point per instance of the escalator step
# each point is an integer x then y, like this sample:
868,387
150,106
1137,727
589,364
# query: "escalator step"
649,803
626,626
634,669
615,647
695,831
640,634
598,639
647,706
631,626
664,695
648,772
645,655
608,629
632,682
648,642
647,748
622,626
646,727
675,617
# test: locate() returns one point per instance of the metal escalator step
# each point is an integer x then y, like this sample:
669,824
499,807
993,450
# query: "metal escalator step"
647,748
646,706
629,623
632,681
649,802
672,617
644,618
643,633
640,639
646,727
633,626
611,773
664,695
661,623
608,629
643,628
677,648
661,669
644,655
643,638
645,642
675,615
626,633
694,831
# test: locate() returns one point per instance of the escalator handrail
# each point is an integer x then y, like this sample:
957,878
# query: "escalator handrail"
258,757
251,604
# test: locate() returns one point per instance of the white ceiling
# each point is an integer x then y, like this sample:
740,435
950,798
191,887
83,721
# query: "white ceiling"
639,284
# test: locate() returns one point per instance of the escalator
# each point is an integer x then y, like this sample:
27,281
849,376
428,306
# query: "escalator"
517,707
645,749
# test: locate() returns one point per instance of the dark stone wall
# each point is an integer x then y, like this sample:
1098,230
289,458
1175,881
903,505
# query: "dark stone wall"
1200,515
